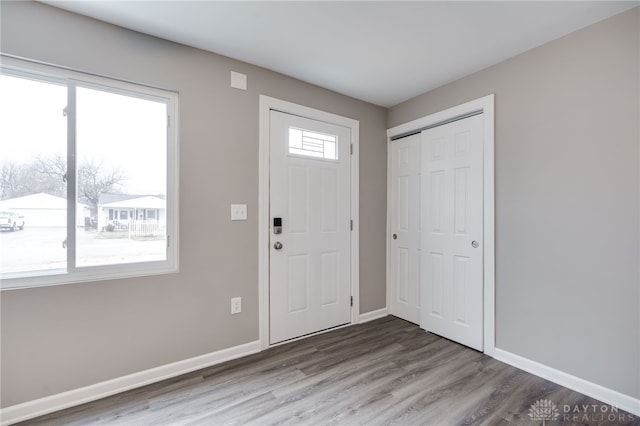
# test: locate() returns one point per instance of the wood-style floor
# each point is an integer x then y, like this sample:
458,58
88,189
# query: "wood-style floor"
383,372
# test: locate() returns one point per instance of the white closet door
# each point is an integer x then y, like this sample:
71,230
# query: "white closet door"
404,262
451,240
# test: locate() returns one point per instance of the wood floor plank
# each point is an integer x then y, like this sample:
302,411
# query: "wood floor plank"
385,372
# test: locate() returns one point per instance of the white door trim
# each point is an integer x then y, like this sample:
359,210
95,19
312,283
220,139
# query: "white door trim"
267,104
486,105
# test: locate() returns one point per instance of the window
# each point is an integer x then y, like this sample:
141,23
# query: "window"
312,144
83,158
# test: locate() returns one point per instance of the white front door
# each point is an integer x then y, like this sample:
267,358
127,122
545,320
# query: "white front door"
452,231
310,196
404,261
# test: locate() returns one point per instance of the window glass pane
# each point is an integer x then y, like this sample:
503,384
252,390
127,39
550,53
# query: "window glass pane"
122,174
33,162
295,138
312,144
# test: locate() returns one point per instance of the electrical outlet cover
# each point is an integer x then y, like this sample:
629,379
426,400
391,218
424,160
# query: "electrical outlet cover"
236,305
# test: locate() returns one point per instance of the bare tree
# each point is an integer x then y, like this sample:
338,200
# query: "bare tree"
9,178
17,180
49,174
54,166
93,181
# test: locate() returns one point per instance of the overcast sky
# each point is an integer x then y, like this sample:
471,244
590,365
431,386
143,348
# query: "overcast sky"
113,130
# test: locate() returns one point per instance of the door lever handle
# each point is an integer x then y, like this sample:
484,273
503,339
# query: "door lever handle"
277,245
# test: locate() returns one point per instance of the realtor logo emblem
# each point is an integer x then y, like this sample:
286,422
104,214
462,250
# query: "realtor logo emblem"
543,410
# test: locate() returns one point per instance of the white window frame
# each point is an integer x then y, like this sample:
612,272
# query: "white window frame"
72,274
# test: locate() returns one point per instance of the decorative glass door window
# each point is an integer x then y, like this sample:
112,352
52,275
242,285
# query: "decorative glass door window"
312,144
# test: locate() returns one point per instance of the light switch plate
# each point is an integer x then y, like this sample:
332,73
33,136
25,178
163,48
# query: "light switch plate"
238,212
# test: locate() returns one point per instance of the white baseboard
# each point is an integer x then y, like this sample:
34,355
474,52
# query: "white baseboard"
606,395
28,410
372,315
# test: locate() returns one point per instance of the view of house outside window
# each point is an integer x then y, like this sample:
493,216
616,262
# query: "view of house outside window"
120,148
122,167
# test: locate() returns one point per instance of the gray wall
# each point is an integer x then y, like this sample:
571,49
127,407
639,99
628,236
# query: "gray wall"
567,194
60,338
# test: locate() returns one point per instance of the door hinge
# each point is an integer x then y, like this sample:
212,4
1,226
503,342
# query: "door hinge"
351,149
351,300
168,121
352,224
168,240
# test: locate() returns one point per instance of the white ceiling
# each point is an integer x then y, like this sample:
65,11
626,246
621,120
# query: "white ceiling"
383,52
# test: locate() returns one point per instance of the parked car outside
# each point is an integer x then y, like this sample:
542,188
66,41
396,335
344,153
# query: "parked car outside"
11,221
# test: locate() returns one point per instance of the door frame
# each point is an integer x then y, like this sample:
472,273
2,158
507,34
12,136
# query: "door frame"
485,104
267,104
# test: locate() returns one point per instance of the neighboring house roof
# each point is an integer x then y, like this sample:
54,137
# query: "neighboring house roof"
139,202
112,198
40,201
